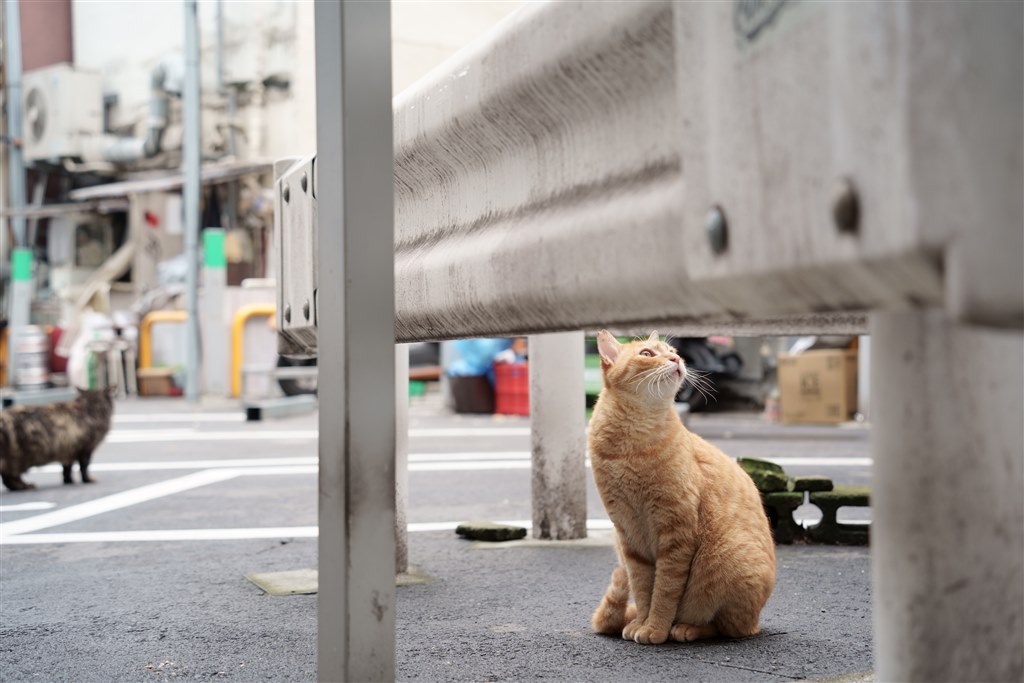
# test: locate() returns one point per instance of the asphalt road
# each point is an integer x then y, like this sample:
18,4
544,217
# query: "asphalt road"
140,576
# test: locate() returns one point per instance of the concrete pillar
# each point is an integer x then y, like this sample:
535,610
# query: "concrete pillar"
401,458
214,327
559,443
947,547
749,350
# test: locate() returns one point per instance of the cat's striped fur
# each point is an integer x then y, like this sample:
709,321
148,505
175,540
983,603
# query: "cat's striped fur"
694,545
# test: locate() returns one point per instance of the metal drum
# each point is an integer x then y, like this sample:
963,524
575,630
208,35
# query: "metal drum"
31,346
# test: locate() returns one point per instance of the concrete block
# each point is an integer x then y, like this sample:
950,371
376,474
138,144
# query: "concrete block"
489,531
779,507
813,483
767,476
829,529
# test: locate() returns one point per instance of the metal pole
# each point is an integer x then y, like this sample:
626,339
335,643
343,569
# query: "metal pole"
401,458
947,551
191,149
354,311
558,430
20,296
15,158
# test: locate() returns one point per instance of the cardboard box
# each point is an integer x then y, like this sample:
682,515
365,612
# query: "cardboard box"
155,381
817,387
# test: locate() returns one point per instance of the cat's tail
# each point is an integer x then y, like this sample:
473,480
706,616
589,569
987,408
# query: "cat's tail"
614,612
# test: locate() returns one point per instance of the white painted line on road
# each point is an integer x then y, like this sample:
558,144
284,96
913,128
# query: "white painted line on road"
159,418
243,534
592,524
73,513
162,535
180,435
469,431
821,462
29,507
493,455
159,465
168,535
418,462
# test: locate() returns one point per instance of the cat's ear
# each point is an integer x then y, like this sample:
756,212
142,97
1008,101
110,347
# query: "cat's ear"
653,339
608,346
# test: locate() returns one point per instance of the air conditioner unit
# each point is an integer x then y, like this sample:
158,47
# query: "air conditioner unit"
62,107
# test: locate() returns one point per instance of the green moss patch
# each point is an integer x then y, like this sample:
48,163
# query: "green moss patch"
768,477
840,496
812,483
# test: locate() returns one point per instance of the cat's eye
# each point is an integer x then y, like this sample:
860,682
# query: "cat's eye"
647,353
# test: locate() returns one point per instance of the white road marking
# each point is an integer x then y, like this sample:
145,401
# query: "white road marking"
167,535
174,436
116,501
162,535
158,418
469,431
820,462
28,507
159,465
179,435
477,466
418,462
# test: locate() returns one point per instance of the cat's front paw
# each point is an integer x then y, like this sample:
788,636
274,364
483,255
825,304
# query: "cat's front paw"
649,635
629,632
685,633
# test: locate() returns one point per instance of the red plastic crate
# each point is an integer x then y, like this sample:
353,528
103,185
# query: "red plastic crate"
512,388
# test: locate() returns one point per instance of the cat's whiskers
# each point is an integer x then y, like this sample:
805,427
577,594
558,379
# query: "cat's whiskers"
701,384
641,377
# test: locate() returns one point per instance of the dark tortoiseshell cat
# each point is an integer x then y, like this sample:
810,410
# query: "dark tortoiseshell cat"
31,436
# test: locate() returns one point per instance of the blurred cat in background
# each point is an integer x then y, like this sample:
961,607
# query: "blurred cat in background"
68,432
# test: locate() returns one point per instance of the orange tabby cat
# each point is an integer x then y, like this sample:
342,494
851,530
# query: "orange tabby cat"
694,546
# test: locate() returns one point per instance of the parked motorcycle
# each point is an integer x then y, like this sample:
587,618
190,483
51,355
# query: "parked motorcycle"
707,364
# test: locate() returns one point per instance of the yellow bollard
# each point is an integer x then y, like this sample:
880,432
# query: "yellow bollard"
237,337
146,333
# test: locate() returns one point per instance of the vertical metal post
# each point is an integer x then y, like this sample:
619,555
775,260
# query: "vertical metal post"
15,158
355,337
19,303
215,339
947,549
401,458
22,290
558,424
864,376
191,152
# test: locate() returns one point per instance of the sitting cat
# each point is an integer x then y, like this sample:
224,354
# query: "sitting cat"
694,546
34,435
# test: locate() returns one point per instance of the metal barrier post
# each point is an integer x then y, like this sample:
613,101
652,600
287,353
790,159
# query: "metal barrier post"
558,431
353,310
948,463
401,458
